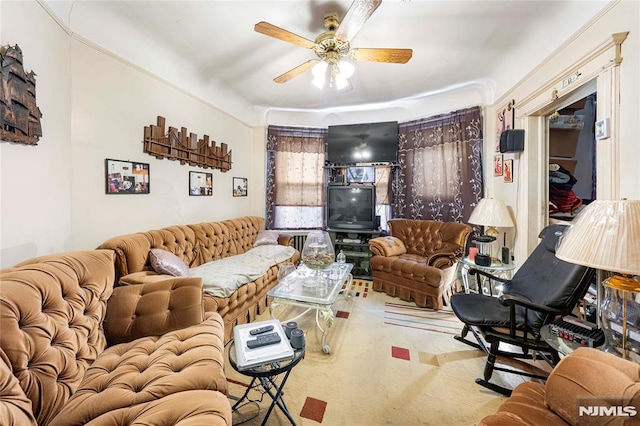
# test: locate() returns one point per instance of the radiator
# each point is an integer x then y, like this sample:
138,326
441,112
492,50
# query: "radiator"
299,237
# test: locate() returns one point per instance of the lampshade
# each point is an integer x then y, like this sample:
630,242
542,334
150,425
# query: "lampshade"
606,236
491,212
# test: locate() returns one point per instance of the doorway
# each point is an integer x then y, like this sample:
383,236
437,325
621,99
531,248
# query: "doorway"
572,161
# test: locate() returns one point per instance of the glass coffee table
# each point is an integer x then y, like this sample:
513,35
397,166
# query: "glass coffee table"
306,289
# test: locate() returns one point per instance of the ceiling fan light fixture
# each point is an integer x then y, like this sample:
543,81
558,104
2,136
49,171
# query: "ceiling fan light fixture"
346,69
318,81
334,44
341,82
319,70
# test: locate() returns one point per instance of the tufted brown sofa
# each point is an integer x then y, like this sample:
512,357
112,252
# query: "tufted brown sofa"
585,378
195,245
76,351
417,261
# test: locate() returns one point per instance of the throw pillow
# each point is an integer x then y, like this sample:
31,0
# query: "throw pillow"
266,238
164,262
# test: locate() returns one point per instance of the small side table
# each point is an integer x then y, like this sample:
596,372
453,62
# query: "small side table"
485,285
265,376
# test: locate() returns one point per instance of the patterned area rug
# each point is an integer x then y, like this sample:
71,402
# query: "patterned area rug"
402,357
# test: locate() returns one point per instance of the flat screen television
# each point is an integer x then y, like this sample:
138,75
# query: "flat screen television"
363,143
351,207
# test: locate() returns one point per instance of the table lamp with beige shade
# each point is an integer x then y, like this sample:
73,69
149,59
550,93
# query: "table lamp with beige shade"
606,236
490,213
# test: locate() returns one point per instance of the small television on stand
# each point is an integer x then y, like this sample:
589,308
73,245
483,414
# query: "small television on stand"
351,207
360,174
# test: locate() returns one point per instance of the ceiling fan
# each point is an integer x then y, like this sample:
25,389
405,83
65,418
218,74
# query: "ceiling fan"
333,45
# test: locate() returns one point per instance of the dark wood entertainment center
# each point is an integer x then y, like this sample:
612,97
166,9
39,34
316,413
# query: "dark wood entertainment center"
355,246
354,243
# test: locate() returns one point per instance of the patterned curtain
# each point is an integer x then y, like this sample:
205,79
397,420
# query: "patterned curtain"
295,177
439,167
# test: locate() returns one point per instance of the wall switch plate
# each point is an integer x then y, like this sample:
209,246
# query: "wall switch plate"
602,129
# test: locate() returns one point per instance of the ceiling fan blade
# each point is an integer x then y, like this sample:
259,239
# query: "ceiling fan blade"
393,56
296,71
284,35
357,15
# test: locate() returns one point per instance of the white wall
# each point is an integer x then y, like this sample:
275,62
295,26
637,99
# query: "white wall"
111,104
96,106
35,181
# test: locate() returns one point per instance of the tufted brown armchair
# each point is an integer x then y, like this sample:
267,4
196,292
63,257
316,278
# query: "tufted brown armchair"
417,261
76,351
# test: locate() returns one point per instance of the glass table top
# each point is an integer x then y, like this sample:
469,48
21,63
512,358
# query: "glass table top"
313,286
496,265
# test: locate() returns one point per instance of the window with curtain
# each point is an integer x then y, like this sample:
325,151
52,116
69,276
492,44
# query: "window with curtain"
439,167
383,194
295,177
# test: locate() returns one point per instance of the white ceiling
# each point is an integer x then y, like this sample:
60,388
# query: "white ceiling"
210,47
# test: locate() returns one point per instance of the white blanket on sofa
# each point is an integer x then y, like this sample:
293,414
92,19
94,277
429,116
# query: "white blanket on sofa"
224,276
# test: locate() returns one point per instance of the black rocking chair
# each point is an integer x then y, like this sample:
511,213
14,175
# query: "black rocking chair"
544,288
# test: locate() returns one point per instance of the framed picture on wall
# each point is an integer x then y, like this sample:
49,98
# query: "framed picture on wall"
239,187
507,170
126,177
200,184
497,165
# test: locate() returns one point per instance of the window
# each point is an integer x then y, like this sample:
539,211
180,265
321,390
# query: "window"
295,177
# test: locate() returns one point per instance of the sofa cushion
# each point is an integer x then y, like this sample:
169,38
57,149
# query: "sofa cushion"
526,406
153,309
223,277
267,238
148,369
15,407
192,407
164,262
578,380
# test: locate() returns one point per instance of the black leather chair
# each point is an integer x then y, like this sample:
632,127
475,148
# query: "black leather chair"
544,288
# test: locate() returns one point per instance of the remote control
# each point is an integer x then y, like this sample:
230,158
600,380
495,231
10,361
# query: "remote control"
263,340
261,330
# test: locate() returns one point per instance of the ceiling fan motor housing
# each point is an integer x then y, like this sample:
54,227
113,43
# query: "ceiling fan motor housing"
327,46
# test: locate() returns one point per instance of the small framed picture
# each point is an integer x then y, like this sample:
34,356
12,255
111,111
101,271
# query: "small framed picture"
126,177
239,187
507,170
200,184
497,165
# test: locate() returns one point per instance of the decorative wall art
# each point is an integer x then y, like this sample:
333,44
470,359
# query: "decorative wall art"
126,177
200,183
508,170
497,165
505,120
239,187
19,114
185,147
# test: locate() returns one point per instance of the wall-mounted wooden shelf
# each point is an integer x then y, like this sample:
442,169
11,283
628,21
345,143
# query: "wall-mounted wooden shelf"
19,114
185,147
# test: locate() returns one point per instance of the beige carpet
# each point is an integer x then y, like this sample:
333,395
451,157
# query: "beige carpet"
391,364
